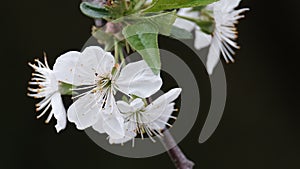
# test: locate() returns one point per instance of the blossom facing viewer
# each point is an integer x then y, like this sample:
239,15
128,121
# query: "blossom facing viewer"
95,72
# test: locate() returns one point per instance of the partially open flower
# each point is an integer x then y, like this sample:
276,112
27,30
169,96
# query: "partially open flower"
222,38
150,119
47,87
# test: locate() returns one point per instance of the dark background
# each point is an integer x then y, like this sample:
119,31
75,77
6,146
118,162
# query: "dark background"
260,127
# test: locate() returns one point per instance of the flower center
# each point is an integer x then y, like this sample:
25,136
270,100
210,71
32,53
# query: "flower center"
102,82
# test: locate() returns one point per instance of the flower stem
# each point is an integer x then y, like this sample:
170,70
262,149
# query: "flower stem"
177,156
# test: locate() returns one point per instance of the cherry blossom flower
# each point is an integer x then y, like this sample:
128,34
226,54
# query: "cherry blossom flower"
222,39
94,71
150,119
48,89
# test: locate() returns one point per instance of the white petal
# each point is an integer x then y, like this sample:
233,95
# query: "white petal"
188,13
97,59
110,105
123,106
99,125
138,79
129,128
91,62
113,121
160,122
84,112
201,39
213,56
128,136
59,112
114,126
137,104
229,5
166,98
134,106
184,24
157,108
153,113
64,66
211,6
166,114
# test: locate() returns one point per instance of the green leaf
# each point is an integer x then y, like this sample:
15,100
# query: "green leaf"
163,21
93,11
143,37
179,33
160,5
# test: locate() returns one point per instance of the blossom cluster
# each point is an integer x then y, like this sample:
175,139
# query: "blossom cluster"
95,79
94,76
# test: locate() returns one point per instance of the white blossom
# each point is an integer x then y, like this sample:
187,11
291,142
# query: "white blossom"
222,39
48,89
96,73
150,119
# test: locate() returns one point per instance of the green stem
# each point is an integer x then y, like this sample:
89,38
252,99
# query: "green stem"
116,51
187,18
207,26
127,47
122,55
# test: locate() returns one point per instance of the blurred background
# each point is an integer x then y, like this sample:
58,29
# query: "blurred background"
260,127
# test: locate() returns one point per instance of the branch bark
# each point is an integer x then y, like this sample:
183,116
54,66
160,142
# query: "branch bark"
177,156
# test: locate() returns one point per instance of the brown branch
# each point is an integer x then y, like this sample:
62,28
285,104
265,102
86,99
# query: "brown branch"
175,153
177,156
